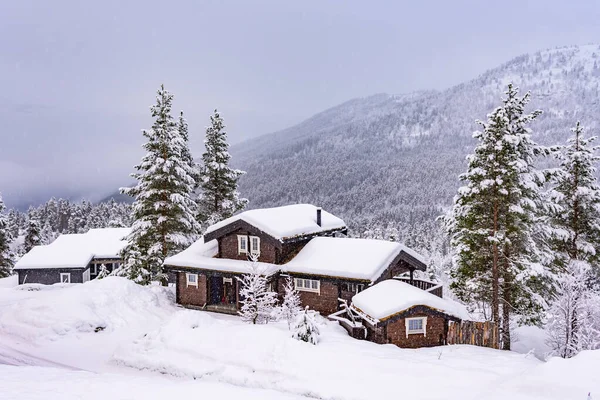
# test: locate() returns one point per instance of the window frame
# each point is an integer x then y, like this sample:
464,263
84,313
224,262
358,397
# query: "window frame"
243,238
67,274
422,331
250,241
187,279
304,288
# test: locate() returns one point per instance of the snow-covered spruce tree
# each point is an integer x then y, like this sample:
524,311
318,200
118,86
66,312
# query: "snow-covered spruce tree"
187,157
164,211
258,302
493,221
6,255
575,196
291,305
305,328
575,217
33,235
219,198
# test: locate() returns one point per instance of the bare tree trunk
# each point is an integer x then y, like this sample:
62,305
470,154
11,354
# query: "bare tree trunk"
506,308
495,277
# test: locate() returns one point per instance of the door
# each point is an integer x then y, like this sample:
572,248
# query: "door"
228,291
216,289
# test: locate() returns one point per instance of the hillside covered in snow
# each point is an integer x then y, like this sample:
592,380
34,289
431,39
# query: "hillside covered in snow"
395,159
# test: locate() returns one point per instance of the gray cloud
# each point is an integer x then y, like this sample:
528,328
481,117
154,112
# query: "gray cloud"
77,77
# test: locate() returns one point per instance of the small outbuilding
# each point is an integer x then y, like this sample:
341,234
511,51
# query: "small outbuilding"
73,258
396,312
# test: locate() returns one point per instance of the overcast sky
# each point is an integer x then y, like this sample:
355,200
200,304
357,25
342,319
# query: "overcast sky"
77,77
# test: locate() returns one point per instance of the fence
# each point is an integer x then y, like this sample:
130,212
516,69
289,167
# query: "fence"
470,332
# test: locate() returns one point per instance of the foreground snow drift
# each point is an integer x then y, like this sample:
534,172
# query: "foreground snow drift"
199,345
150,348
40,312
35,383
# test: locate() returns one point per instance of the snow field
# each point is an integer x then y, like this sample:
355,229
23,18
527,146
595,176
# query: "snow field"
152,349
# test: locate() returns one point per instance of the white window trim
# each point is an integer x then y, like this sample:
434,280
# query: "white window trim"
189,283
67,274
254,251
305,289
245,239
420,331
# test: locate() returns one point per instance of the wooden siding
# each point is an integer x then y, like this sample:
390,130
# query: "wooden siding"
228,247
436,331
49,276
191,295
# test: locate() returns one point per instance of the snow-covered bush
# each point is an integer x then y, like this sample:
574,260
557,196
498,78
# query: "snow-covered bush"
258,302
574,317
103,272
291,306
306,328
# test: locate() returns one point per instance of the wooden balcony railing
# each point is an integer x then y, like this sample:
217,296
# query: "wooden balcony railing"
432,287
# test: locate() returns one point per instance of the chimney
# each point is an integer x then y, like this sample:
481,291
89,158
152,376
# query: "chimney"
319,216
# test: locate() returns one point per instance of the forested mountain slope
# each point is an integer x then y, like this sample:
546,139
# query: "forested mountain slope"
393,161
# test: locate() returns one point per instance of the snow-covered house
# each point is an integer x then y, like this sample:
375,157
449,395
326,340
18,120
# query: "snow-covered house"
73,258
395,312
296,241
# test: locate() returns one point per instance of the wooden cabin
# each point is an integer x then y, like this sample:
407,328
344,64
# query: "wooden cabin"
299,242
73,258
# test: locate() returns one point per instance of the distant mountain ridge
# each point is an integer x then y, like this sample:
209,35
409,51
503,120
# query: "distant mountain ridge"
394,160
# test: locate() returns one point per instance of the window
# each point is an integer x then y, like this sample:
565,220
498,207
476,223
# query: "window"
242,244
192,279
254,245
416,326
65,277
308,285
86,275
353,287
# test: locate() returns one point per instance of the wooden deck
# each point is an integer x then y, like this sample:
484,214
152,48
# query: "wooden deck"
432,287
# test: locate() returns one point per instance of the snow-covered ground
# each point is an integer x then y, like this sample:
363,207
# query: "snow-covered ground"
114,339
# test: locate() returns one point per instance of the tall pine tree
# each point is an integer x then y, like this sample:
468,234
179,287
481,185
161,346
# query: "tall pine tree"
576,199
575,217
33,235
164,211
6,255
499,262
219,198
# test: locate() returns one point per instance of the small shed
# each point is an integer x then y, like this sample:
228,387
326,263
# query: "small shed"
398,313
73,258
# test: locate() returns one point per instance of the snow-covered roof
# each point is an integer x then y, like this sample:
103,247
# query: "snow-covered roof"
202,256
76,250
285,222
347,257
391,297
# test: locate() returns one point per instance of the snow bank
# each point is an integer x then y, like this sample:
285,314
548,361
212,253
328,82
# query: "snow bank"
218,348
352,258
559,379
285,222
61,310
9,282
392,296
